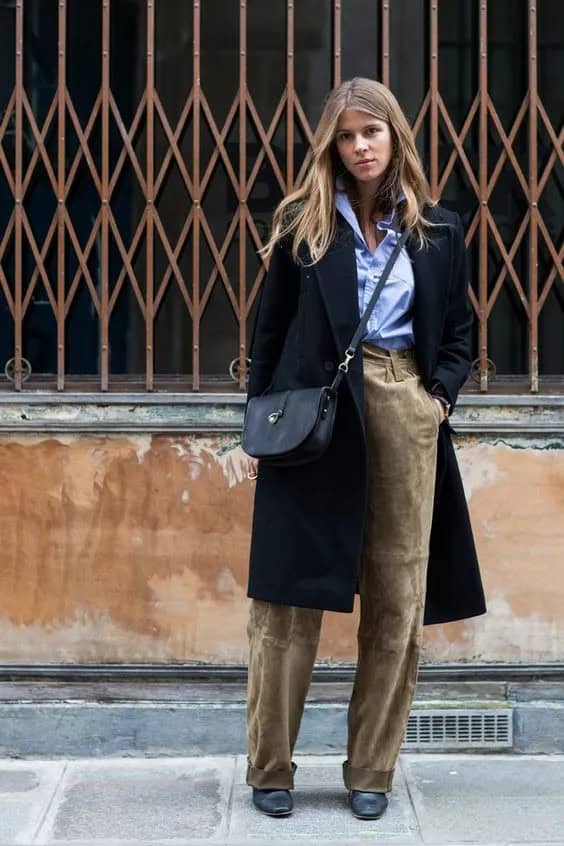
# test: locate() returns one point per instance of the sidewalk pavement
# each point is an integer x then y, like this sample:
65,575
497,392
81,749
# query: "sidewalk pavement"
437,799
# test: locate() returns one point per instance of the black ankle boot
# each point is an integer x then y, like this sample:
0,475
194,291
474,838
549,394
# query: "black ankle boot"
366,805
275,803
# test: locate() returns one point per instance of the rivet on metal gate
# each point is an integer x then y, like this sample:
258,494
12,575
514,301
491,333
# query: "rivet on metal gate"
10,369
234,368
475,371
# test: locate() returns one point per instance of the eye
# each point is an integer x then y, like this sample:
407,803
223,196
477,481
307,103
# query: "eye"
372,130
344,136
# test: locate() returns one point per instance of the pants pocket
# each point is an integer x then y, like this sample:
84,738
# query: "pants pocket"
437,412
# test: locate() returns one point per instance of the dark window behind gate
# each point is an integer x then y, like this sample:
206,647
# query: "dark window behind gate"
145,143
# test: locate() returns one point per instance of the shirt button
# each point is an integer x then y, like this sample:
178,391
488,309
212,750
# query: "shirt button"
329,366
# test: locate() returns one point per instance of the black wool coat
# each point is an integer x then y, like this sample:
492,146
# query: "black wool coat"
308,520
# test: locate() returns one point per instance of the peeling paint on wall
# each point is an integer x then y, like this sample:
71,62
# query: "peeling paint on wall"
516,499
135,532
500,632
135,548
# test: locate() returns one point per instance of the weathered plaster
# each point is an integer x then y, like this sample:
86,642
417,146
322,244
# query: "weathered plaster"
133,548
120,538
516,497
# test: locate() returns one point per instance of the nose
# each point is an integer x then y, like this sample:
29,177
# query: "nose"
360,144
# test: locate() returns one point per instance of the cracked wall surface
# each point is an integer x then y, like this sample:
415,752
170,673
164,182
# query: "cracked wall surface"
134,548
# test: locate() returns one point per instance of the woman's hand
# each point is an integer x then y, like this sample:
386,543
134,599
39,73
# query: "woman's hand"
441,408
252,471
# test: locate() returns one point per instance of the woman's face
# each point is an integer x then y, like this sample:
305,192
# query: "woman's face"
364,144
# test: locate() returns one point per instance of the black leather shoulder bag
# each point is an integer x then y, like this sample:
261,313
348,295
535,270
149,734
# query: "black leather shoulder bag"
286,428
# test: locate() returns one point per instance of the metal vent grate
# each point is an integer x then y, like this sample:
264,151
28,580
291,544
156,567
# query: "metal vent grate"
459,728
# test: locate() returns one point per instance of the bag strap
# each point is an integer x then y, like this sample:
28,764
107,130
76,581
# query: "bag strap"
350,352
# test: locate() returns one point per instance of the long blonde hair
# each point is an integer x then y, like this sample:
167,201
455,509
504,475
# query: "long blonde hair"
308,213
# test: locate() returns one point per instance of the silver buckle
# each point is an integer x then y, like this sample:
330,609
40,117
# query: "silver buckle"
344,365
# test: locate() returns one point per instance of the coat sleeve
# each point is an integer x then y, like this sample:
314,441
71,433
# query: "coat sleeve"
454,360
278,304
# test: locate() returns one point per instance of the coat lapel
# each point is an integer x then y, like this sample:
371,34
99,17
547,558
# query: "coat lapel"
338,285
430,273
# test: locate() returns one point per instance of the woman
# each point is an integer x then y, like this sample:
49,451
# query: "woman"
383,512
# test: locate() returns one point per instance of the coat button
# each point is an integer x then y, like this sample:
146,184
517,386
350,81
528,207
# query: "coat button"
329,366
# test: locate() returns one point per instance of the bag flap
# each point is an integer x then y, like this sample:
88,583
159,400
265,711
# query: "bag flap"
277,423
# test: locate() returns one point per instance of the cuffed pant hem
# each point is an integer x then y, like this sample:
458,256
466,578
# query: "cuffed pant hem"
271,779
373,781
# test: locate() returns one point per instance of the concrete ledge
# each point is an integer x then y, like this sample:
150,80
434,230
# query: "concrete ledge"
42,412
100,413
539,727
210,719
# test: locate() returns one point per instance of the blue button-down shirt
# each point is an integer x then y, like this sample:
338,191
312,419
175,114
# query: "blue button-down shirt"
390,325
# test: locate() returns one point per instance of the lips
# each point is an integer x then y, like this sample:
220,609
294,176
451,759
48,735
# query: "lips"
366,161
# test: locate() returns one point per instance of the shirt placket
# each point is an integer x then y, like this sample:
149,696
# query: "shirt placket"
371,274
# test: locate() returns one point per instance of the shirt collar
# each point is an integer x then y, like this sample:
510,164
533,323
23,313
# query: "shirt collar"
343,205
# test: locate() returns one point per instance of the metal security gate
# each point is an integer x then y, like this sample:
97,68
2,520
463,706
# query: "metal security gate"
135,188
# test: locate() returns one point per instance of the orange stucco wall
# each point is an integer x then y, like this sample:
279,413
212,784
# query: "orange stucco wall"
134,548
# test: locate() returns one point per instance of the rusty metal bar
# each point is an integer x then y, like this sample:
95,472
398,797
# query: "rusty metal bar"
434,88
533,199
483,179
18,211
290,94
149,199
385,26
61,185
337,43
242,170
196,195
105,198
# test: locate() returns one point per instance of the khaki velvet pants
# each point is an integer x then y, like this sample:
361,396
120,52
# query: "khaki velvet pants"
402,422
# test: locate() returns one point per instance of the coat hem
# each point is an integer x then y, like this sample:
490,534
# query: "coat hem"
431,618
316,601
438,619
